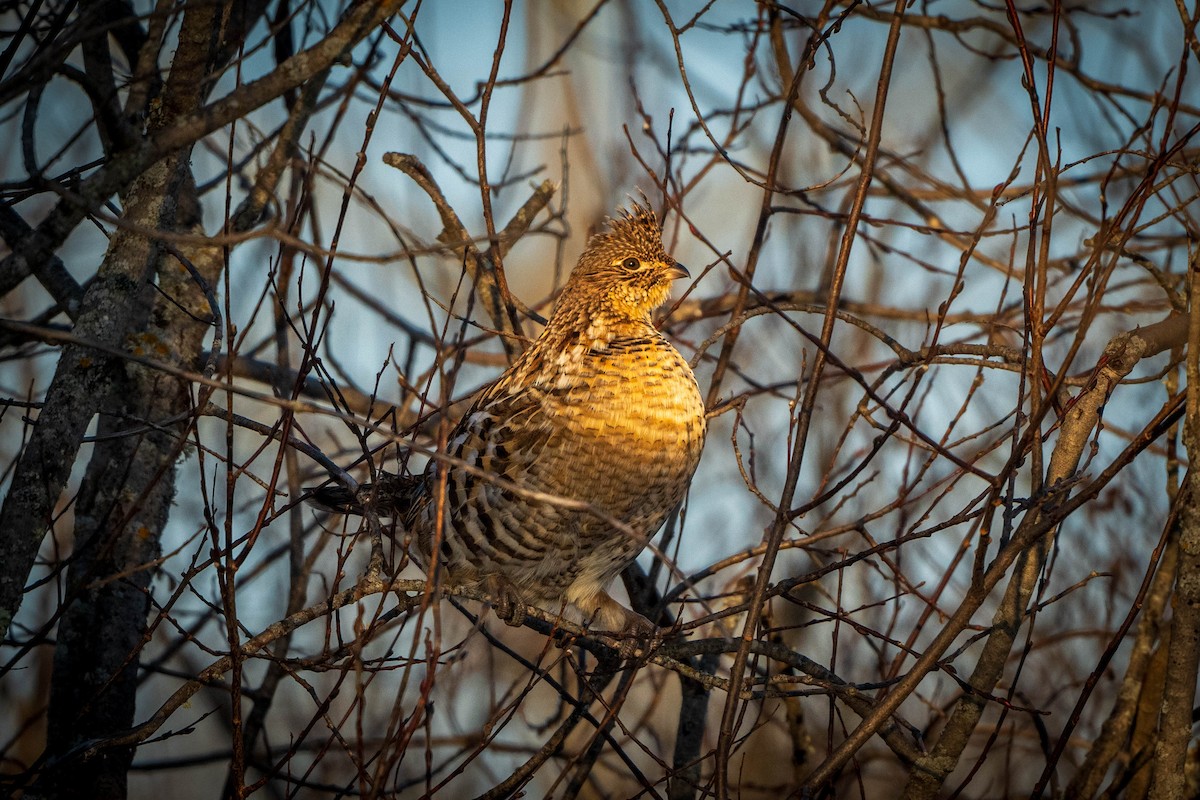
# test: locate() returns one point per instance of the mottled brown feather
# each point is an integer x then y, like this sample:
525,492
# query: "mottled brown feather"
600,409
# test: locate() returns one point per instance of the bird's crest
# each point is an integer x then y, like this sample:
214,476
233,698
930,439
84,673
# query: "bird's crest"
635,231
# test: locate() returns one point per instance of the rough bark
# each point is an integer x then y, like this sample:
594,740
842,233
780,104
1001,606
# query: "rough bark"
154,300
124,501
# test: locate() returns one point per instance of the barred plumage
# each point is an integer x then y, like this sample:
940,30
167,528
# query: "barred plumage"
600,409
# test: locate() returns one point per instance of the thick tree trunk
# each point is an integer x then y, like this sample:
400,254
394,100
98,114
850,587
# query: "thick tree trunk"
126,494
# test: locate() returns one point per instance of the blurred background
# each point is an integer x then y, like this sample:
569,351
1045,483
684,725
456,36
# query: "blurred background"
914,234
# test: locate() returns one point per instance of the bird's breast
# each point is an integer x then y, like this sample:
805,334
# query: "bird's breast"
636,396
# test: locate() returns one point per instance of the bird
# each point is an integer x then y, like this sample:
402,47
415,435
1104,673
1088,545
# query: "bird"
600,413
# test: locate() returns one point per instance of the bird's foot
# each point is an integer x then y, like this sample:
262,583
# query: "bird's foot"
629,629
507,602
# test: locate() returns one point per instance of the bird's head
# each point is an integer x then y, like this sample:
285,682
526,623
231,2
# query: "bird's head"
624,270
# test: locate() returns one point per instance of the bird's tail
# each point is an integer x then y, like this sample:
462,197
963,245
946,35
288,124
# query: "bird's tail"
390,496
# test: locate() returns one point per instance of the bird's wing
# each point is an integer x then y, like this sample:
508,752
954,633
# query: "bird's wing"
493,527
502,435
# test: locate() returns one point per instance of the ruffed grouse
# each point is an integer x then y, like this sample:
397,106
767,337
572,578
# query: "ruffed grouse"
600,409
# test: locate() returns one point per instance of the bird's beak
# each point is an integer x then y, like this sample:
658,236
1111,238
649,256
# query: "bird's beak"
677,271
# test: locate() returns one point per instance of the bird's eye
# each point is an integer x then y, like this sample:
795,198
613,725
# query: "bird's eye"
631,264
